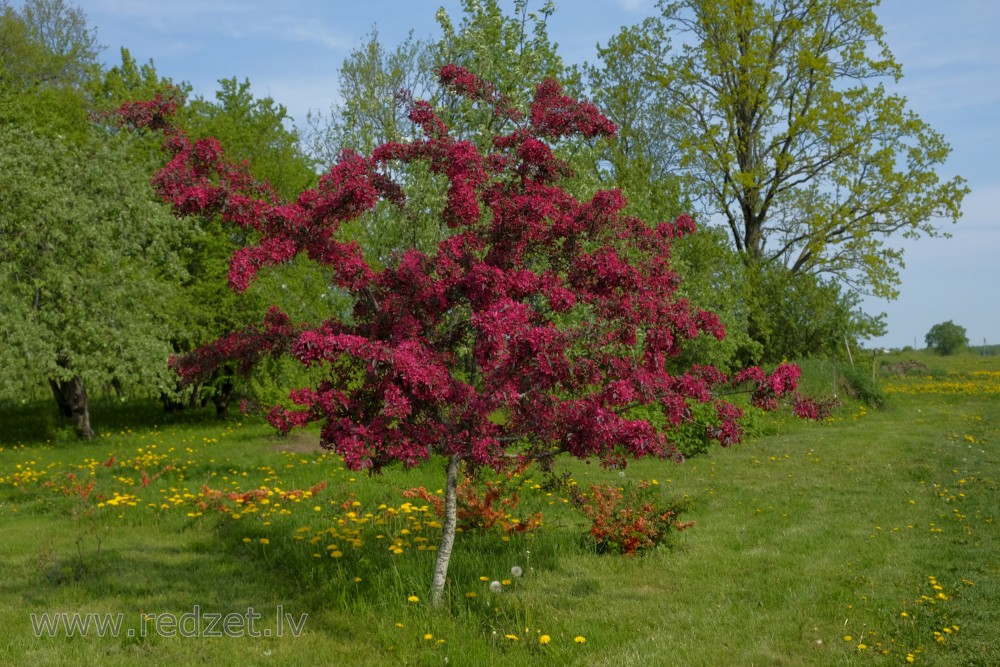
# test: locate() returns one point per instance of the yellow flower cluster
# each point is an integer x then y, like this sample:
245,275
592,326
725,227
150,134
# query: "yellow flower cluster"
977,383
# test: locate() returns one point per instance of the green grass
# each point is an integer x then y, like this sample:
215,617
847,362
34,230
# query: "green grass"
802,538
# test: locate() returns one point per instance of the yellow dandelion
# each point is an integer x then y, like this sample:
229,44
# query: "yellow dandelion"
428,636
247,540
544,639
413,598
264,540
511,637
580,640
848,638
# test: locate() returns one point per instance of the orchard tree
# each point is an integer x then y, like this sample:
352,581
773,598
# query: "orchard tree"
87,253
787,134
536,328
946,338
87,266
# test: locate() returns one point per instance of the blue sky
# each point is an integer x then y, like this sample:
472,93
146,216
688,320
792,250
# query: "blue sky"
292,49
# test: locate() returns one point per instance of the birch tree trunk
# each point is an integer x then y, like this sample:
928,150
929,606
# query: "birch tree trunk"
447,531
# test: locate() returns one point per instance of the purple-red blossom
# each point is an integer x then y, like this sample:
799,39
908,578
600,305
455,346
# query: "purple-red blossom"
555,115
533,329
245,347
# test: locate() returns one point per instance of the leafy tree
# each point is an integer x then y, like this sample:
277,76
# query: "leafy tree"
532,330
47,55
253,129
511,52
372,112
640,162
800,315
87,265
85,274
946,338
787,134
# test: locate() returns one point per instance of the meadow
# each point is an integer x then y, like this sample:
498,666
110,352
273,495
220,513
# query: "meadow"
866,539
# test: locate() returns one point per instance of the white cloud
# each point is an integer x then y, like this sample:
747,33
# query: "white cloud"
635,5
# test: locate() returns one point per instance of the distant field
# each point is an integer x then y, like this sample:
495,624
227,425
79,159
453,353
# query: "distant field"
869,539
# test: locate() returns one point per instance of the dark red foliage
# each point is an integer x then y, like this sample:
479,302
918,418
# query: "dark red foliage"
530,331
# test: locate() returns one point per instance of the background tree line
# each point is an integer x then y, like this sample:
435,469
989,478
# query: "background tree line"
768,119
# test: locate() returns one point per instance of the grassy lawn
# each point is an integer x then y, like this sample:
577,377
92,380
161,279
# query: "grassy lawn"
869,539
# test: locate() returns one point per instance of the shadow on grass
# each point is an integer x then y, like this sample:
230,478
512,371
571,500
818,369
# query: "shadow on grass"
39,421
172,566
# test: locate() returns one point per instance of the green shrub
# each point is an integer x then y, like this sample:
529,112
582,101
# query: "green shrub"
857,383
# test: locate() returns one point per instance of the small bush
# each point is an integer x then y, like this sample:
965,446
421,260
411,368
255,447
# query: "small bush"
629,519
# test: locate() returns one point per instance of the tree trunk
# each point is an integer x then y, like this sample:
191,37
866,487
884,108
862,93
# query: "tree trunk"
65,411
223,397
71,397
447,531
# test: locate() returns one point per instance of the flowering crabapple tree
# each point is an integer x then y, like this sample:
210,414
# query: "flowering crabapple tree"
532,331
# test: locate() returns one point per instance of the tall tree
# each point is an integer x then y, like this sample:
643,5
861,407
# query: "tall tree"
255,129
84,271
87,264
48,54
68,43
787,134
642,160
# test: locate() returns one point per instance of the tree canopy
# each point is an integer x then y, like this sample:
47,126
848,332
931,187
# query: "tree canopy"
87,264
946,338
787,134
88,257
